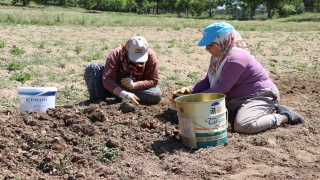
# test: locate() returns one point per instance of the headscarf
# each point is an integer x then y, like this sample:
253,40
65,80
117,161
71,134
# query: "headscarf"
128,68
227,44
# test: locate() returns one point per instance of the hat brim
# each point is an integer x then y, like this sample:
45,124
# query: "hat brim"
138,58
206,41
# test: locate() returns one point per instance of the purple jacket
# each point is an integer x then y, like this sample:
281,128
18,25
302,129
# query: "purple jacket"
242,75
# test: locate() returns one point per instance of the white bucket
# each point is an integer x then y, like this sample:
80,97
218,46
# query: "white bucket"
203,119
36,99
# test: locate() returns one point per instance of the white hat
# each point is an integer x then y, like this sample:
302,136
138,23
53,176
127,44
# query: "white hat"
137,47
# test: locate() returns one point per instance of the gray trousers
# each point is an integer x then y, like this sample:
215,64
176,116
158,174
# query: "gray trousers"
255,113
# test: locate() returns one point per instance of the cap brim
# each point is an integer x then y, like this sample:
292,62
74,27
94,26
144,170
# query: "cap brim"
205,41
138,57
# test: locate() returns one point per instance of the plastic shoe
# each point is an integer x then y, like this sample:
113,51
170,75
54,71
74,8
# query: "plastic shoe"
293,117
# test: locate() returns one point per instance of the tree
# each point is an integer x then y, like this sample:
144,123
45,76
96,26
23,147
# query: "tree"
210,5
197,7
271,6
131,4
310,3
23,2
291,7
44,2
87,4
116,5
171,4
101,5
251,6
183,6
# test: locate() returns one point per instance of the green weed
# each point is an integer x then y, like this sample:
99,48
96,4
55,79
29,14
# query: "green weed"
41,45
157,47
162,68
16,51
93,57
108,154
12,66
105,47
72,71
192,74
272,64
58,43
78,49
20,76
171,43
62,167
176,28
302,66
2,44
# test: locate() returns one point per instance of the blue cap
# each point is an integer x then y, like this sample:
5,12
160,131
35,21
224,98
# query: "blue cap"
213,30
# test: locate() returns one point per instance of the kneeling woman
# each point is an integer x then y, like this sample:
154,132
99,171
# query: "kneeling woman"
233,71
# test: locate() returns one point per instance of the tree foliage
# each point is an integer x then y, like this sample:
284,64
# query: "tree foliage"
237,8
87,4
291,7
23,2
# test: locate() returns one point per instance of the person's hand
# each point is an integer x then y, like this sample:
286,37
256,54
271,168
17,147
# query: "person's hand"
177,93
127,83
184,90
130,96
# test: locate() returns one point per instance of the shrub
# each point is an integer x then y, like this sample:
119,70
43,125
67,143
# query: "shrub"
294,7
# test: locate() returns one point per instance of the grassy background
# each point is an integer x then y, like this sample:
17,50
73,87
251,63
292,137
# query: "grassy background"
56,16
43,59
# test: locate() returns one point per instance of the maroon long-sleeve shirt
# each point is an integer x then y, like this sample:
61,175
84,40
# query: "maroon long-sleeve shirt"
148,79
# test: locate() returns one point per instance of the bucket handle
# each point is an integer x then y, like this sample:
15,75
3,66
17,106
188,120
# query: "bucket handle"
210,130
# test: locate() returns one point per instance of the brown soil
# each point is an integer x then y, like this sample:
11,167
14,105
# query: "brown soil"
117,140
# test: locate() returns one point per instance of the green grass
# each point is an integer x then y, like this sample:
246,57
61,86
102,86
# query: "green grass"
50,16
47,60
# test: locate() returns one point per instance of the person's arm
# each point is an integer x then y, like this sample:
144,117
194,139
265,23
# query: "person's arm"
234,67
200,86
110,72
150,74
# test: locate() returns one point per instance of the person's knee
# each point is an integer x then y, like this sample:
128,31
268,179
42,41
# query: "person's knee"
240,128
93,66
91,69
151,98
247,128
155,98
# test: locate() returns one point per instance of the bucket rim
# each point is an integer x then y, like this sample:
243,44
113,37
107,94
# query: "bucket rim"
37,88
180,97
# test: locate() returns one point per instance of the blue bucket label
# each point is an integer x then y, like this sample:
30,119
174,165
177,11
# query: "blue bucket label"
205,139
49,93
215,108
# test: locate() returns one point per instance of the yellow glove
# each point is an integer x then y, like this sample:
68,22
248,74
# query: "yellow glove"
177,93
127,83
129,96
184,90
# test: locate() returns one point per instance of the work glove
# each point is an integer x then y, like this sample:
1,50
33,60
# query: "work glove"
127,83
130,96
177,93
184,90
